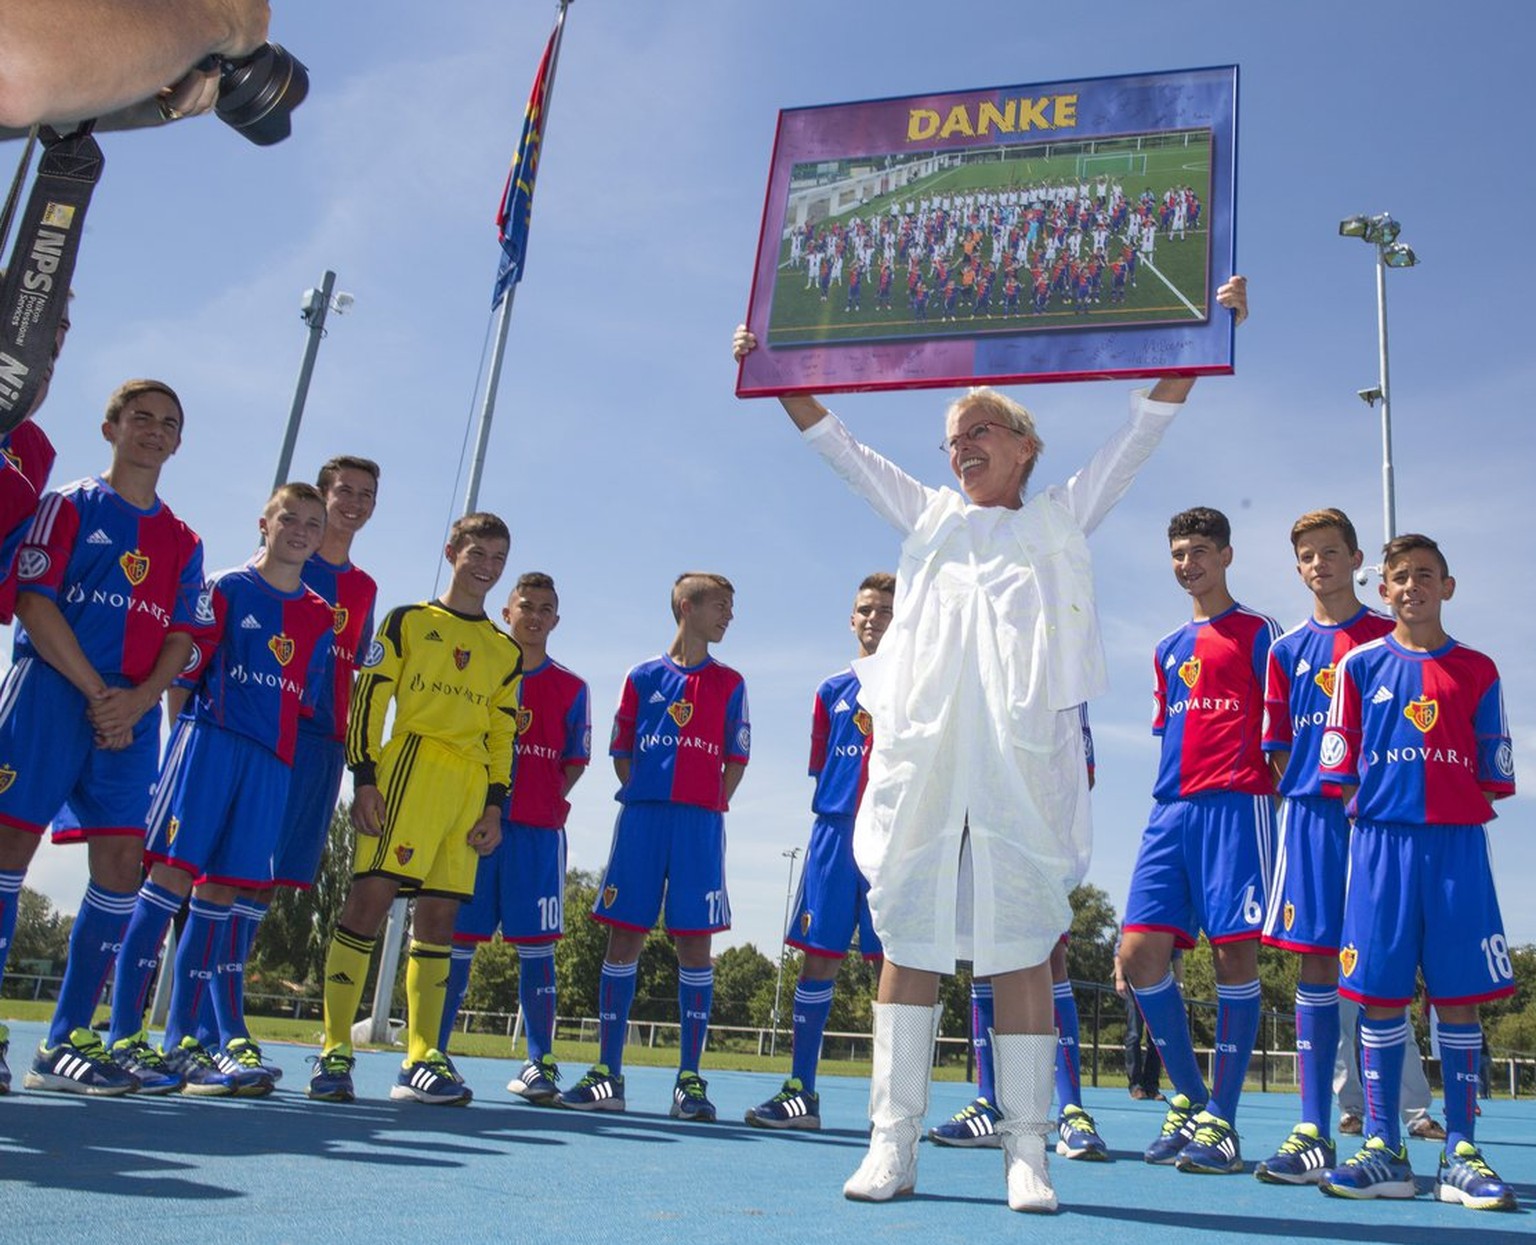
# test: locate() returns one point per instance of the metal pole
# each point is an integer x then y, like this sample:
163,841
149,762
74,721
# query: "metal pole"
314,317
1388,489
488,405
778,984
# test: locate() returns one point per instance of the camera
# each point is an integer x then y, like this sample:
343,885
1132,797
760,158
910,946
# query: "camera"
258,93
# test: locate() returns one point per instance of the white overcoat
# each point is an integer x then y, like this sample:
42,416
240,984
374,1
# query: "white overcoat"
974,825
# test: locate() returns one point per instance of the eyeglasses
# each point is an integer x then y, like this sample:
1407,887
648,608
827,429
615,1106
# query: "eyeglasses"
975,434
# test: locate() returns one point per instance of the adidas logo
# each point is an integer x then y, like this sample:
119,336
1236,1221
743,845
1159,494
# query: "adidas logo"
251,623
656,699
841,706
432,635
340,979
1170,662
1383,694
98,537
1303,667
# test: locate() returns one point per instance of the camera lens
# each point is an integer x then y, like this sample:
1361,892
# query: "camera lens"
258,93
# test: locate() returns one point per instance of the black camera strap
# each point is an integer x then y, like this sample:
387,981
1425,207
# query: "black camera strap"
35,293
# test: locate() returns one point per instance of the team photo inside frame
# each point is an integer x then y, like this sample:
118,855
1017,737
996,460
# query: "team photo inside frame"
1062,231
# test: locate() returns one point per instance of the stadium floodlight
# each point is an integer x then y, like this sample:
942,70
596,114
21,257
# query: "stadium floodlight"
313,306
1381,231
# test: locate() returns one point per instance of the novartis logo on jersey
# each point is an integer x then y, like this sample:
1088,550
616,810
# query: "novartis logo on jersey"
1209,704
436,687
121,601
680,742
260,678
1419,754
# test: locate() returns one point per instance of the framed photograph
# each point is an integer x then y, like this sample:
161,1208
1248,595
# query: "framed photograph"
1059,231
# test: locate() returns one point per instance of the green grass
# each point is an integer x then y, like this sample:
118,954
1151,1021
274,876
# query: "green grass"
799,316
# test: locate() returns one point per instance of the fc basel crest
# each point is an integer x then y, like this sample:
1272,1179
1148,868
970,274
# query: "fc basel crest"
7,777
1189,671
1290,916
610,893
1324,679
681,712
171,827
1348,958
282,649
524,720
864,722
135,566
339,616
1423,713
805,924
404,854
461,657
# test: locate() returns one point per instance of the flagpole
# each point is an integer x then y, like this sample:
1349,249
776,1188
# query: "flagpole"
376,1028
498,352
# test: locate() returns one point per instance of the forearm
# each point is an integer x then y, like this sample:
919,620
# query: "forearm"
71,59
804,410
734,770
55,642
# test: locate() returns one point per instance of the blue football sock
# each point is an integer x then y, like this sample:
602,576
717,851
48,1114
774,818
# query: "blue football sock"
10,901
1461,1051
1383,1045
459,964
139,957
615,996
1162,1007
93,944
813,1004
204,943
982,1018
228,993
695,1001
1237,1028
536,995
1069,1081
1317,1044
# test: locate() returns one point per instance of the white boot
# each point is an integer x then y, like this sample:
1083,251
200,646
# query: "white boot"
898,1100
1024,1065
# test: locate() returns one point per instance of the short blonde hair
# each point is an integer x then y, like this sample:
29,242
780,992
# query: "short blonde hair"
1000,409
694,586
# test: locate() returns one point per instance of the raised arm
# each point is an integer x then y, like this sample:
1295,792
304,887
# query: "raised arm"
804,410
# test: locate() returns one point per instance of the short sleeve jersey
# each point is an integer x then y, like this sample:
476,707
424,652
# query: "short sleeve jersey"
841,733
350,592
122,577
554,731
1209,692
26,458
1297,687
454,678
1422,735
270,648
680,726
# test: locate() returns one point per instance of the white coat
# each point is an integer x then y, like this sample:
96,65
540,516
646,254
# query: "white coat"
975,823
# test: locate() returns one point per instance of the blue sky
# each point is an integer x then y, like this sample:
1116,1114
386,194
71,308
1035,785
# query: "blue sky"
620,456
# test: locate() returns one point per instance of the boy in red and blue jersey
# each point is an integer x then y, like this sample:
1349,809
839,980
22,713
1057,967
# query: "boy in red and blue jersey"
1417,744
350,487
833,899
520,887
1306,901
681,740
109,581
223,796
1204,861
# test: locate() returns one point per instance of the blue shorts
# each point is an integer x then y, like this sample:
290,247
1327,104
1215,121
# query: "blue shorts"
223,802
1422,897
1204,864
49,758
676,850
833,898
318,764
1306,897
519,887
